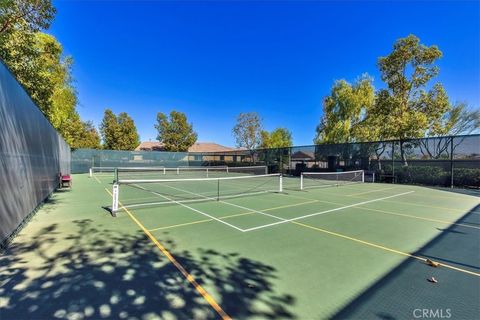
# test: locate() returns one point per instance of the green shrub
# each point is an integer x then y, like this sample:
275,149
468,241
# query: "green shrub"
432,175
466,177
426,175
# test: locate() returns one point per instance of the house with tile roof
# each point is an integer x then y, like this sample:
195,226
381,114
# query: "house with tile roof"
202,152
196,147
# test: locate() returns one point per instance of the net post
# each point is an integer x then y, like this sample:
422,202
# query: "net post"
281,183
115,175
227,169
266,169
164,170
115,200
207,172
178,170
90,172
301,180
363,176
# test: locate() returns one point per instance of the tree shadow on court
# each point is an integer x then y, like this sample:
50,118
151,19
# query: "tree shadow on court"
405,292
96,273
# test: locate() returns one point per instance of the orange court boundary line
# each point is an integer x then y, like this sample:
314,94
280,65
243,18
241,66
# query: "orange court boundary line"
320,230
179,267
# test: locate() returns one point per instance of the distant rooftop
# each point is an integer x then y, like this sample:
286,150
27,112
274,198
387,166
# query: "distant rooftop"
197,147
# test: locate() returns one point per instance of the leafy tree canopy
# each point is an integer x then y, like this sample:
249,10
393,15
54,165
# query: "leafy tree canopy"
409,107
175,132
81,134
108,130
30,54
247,130
127,136
38,62
406,107
344,112
118,132
278,138
32,15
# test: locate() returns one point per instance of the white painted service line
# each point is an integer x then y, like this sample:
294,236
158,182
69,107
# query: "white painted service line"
228,203
193,209
371,191
326,211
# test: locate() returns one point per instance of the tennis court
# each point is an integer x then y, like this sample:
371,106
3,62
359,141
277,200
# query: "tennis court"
247,246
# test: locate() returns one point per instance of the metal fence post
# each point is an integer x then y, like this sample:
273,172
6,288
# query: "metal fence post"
393,162
451,162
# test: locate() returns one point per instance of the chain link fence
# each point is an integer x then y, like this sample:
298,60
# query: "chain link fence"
440,161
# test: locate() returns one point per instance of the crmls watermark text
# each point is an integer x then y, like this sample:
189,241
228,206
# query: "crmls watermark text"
432,313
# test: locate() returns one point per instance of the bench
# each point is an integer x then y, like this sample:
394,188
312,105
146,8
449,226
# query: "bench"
65,180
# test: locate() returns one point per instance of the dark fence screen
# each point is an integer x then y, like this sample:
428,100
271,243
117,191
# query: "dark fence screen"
84,159
32,154
439,161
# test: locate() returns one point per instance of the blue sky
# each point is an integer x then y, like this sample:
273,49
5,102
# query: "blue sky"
215,59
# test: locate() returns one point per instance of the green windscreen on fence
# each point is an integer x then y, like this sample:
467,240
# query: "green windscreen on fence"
32,155
438,161
84,159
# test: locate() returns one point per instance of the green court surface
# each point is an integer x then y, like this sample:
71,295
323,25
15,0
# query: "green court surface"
350,252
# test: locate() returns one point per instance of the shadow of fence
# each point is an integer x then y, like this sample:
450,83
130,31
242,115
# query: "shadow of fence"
405,293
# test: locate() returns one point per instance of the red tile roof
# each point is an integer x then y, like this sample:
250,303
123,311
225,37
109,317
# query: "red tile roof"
197,147
150,146
208,147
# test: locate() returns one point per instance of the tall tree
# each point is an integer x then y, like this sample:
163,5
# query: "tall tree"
90,137
118,133
344,112
21,46
38,63
278,138
127,136
32,15
409,107
175,132
406,108
108,130
247,130
62,103
81,134
21,53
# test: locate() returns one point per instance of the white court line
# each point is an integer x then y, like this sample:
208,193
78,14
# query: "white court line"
193,209
371,191
228,203
326,211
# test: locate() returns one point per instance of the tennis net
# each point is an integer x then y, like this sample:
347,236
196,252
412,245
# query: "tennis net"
187,172
101,170
138,193
110,171
329,179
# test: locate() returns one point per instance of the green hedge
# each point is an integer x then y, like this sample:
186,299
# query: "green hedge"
434,176
426,175
466,177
